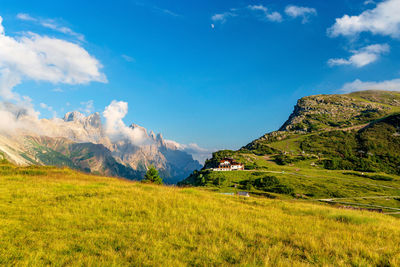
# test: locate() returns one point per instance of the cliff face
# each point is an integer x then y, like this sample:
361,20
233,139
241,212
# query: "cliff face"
80,142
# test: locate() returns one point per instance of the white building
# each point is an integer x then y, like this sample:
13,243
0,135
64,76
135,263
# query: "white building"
228,164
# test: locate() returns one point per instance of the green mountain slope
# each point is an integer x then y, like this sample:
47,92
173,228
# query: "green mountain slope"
332,146
59,217
88,157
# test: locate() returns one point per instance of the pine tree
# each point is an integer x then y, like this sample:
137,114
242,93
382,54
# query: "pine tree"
152,176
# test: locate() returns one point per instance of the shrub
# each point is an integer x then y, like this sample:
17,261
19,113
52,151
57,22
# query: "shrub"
152,176
267,184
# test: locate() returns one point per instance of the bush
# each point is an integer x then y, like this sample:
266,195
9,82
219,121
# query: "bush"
267,184
152,176
283,159
378,177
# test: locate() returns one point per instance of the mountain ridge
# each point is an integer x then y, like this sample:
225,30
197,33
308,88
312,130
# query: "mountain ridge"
82,142
334,112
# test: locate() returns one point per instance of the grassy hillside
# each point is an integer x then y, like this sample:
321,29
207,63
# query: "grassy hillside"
302,182
345,148
53,216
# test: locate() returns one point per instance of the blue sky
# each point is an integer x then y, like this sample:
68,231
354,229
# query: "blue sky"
215,73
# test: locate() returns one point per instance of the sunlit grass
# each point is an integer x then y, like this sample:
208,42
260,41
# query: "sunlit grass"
59,217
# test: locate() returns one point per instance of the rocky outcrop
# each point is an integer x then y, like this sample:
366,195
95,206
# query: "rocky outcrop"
323,111
320,113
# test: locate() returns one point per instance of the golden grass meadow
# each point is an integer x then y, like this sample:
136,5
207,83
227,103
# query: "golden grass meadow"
60,217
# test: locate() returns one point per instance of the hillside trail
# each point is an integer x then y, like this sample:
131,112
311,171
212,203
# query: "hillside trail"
358,204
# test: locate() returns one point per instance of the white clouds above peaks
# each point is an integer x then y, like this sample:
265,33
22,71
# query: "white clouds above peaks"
384,19
302,12
20,116
42,58
198,153
117,130
362,57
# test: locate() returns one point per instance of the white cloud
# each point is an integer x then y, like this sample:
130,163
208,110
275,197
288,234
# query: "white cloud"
369,2
384,19
18,116
58,90
298,11
43,105
222,17
362,57
87,107
48,108
51,24
116,129
258,7
26,17
357,85
166,11
198,153
42,58
251,10
128,58
272,16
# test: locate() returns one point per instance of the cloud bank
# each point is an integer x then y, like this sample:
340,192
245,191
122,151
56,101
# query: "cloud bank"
198,153
19,116
42,58
358,85
116,129
384,19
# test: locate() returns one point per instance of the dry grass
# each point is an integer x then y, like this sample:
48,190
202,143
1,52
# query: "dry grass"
59,217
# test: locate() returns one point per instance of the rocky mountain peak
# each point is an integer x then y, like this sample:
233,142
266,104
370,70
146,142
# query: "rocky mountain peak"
317,112
152,135
160,136
94,120
138,127
73,116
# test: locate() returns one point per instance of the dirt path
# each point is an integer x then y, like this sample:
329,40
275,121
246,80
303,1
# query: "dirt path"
369,197
359,204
